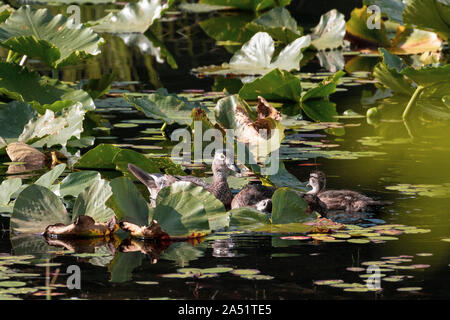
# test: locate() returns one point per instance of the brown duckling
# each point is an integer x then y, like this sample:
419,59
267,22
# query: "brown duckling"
348,200
259,197
222,166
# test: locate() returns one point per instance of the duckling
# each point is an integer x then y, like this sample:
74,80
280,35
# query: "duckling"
222,166
259,197
350,201
254,196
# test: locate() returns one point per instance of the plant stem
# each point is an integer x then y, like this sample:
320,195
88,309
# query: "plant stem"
54,74
9,56
412,102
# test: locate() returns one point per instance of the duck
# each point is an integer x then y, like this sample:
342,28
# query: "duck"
223,165
348,200
259,197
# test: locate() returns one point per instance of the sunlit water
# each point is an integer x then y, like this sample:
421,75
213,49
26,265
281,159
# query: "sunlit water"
292,267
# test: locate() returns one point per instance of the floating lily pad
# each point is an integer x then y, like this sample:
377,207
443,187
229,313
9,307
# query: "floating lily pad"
257,277
327,282
12,284
409,289
245,272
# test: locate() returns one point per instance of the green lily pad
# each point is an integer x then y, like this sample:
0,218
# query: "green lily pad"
245,272
53,39
12,284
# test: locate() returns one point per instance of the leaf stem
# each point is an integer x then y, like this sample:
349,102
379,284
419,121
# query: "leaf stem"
412,102
55,74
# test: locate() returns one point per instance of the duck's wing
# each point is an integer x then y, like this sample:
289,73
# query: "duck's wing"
348,200
198,181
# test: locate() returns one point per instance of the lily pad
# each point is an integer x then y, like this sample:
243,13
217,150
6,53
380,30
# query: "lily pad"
53,39
35,208
255,57
330,32
134,17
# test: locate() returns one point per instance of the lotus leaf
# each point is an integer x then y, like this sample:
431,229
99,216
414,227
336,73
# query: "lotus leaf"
52,39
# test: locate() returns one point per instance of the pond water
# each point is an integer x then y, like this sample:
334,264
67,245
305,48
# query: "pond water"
383,160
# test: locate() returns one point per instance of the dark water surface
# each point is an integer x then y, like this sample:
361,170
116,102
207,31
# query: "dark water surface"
107,273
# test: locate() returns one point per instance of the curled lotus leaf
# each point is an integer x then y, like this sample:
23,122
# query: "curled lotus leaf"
83,227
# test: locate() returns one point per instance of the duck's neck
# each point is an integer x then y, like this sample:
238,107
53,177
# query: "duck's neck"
220,180
315,190
220,188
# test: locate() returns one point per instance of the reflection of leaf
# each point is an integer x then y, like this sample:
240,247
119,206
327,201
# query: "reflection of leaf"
330,32
123,264
161,49
54,40
332,60
183,252
99,87
31,245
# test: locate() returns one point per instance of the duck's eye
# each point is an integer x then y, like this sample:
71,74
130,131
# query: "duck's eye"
222,156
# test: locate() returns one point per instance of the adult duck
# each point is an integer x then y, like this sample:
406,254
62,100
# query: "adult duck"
259,197
222,166
348,200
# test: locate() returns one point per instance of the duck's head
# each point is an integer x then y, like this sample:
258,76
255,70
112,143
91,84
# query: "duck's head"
223,162
317,181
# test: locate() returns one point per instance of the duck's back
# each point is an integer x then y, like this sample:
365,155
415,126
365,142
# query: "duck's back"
348,200
251,195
